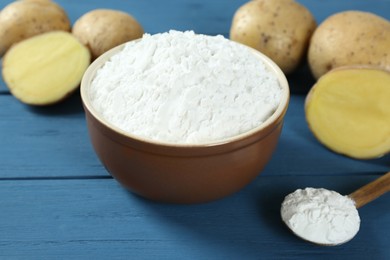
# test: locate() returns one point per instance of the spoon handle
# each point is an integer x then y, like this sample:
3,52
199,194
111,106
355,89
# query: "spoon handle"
371,191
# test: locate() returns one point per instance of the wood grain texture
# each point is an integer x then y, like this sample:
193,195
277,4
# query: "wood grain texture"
58,202
53,142
45,141
371,191
81,218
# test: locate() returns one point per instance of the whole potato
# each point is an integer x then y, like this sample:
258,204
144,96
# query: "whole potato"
26,18
103,29
281,29
350,38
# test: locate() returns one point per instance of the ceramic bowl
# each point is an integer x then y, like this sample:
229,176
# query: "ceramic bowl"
183,173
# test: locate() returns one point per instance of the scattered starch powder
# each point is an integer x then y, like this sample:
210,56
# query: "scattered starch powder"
182,87
321,216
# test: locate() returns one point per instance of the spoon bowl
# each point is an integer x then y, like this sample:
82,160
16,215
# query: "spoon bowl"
352,202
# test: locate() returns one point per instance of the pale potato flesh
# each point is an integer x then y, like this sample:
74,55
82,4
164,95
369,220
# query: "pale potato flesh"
348,110
45,68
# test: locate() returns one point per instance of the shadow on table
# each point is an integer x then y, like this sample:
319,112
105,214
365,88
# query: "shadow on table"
70,105
301,80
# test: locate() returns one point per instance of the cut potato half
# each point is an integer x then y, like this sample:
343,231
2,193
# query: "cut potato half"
44,69
348,110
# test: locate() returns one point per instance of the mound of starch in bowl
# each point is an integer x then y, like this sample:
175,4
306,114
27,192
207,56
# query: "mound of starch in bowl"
187,88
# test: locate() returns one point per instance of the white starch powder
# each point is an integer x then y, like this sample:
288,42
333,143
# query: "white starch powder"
182,87
321,216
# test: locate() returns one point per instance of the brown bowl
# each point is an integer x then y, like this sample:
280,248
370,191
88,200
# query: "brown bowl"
183,173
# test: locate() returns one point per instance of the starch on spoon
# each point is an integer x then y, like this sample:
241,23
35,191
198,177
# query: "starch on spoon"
321,216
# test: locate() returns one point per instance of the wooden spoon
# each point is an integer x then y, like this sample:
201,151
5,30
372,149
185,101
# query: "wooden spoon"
371,191
362,196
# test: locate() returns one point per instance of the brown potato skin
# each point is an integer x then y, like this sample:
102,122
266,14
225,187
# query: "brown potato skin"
281,29
102,29
350,38
26,18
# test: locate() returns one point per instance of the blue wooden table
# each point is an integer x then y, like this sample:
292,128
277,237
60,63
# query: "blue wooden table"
58,202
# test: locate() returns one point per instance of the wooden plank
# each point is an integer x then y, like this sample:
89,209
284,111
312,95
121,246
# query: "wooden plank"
53,142
45,141
300,153
57,201
97,218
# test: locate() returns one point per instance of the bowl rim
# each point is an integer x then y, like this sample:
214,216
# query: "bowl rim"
278,113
